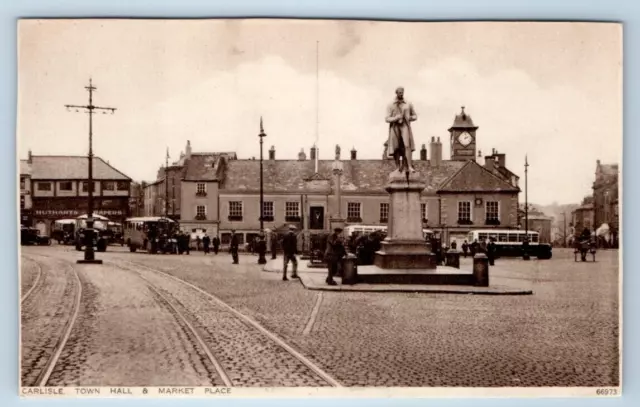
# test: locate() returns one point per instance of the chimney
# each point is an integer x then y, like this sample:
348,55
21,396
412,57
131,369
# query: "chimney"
490,162
301,155
433,146
30,158
272,153
423,153
354,154
313,152
501,159
187,150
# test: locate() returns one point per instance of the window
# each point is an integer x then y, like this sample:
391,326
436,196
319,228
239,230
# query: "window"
384,212
267,211
292,211
85,186
22,202
66,186
122,186
464,212
201,189
201,212
423,211
493,213
23,183
44,186
353,212
108,186
235,210
502,237
513,236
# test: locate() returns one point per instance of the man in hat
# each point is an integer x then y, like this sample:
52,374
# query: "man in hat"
290,249
333,254
233,247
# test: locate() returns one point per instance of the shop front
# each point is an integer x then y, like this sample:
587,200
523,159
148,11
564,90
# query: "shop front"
47,210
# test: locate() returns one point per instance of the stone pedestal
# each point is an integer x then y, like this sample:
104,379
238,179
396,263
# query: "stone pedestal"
404,246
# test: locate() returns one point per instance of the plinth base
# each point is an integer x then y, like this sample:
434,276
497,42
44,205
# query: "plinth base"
94,261
405,254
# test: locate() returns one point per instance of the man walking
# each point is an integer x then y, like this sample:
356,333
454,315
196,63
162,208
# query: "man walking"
290,249
333,254
206,241
233,247
216,244
465,248
274,245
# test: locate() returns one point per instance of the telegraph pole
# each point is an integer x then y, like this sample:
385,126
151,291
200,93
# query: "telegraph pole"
89,254
564,236
525,254
166,185
262,135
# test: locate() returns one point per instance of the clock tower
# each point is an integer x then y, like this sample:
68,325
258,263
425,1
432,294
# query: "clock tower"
463,138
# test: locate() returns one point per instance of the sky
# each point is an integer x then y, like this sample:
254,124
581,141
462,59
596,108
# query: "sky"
548,91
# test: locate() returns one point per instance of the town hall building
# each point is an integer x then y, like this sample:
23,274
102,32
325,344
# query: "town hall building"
218,192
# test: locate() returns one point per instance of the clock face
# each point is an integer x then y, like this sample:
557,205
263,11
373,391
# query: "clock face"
465,138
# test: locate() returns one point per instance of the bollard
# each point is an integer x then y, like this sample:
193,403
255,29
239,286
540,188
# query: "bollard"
349,269
453,258
481,270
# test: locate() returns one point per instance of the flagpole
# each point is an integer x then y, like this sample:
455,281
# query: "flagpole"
166,185
317,107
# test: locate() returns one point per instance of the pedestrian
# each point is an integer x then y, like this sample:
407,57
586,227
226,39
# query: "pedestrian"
261,246
474,247
465,248
180,241
290,249
198,242
333,254
274,245
233,247
216,244
206,241
454,245
491,251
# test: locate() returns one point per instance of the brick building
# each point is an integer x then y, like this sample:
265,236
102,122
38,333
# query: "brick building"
605,198
25,193
60,188
583,216
219,192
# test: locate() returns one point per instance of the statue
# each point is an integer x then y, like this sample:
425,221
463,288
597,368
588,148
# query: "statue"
400,114
337,152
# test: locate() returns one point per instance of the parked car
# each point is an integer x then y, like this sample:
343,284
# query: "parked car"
32,236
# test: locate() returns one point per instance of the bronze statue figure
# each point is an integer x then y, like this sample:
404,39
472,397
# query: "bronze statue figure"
400,145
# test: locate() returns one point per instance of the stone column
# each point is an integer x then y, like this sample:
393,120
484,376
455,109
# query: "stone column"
405,246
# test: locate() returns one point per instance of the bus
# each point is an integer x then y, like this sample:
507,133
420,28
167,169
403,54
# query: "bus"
139,232
509,242
360,229
100,239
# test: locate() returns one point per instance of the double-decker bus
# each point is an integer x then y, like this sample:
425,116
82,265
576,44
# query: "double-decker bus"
509,242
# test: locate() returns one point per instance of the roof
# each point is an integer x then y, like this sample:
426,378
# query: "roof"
203,166
473,177
609,169
72,167
463,121
25,167
358,175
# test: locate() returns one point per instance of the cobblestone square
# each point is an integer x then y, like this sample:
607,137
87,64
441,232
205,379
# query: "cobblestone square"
192,320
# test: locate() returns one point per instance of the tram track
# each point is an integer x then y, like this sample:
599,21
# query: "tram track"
45,372
36,283
247,321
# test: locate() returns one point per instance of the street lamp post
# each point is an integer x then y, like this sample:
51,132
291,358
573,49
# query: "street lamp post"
261,258
89,253
525,251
